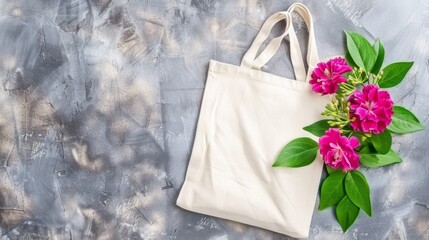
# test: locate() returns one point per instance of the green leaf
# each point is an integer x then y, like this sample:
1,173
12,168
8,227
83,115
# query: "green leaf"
404,121
332,190
360,50
379,50
358,190
394,73
297,153
331,170
349,60
348,127
318,128
347,213
378,160
367,148
382,142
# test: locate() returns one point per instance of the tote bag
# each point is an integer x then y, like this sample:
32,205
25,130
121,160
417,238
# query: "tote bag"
246,117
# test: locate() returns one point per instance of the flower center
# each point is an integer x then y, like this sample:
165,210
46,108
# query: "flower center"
327,73
369,105
339,153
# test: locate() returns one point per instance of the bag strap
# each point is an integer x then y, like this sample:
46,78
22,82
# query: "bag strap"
312,55
250,60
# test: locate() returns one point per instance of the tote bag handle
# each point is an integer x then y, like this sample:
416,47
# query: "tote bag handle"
312,55
251,61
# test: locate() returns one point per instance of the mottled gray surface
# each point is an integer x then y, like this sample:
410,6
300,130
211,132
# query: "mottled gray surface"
99,102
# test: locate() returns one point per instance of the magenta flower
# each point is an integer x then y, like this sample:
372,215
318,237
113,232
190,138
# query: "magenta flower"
370,110
327,76
338,151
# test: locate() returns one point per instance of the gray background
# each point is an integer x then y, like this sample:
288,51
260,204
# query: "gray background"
99,101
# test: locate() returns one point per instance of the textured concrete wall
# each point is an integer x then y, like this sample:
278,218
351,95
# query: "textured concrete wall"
99,101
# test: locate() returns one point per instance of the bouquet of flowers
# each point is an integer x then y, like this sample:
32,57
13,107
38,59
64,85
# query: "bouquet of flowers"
358,128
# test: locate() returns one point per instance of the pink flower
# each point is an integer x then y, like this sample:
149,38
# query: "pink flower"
338,151
370,110
327,76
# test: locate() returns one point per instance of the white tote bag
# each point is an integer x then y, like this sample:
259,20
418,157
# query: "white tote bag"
246,118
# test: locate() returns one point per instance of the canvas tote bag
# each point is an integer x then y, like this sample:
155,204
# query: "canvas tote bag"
246,117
